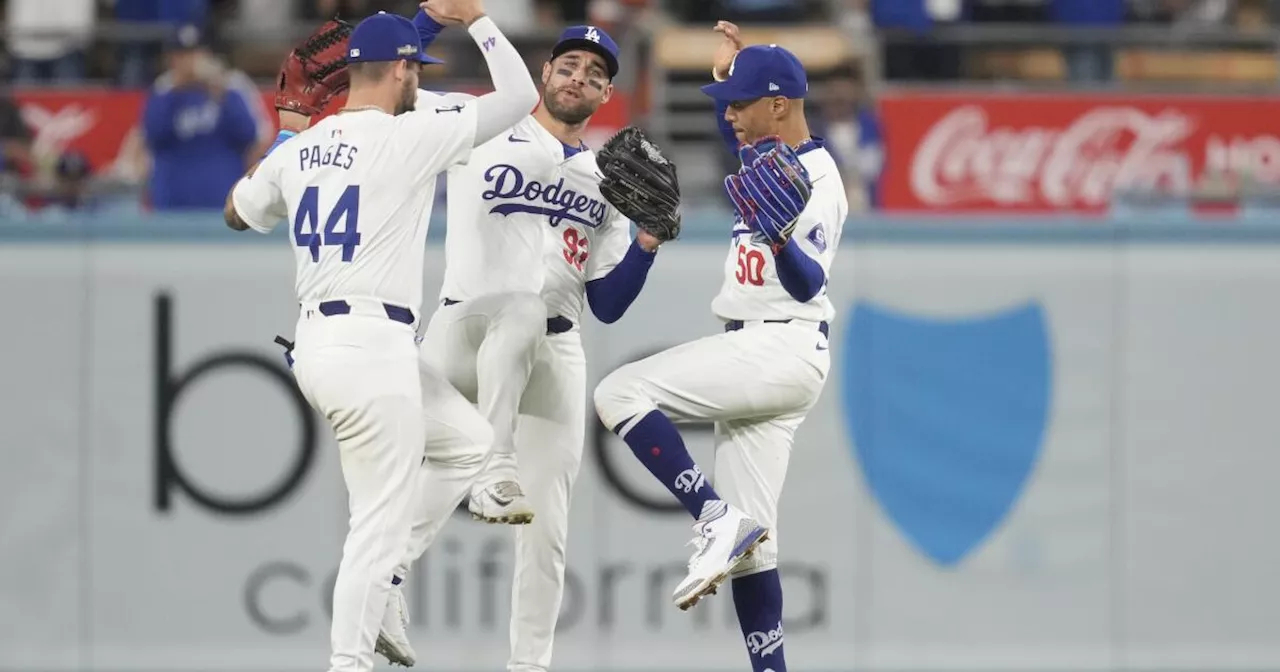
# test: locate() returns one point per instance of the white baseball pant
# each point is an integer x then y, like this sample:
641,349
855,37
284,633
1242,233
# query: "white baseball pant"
486,346
756,383
361,372
549,441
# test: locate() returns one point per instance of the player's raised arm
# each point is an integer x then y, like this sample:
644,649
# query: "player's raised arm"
721,68
514,92
428,30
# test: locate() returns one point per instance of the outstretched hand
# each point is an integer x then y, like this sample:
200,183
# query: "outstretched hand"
453,12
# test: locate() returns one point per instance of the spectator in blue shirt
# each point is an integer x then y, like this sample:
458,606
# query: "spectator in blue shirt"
198,129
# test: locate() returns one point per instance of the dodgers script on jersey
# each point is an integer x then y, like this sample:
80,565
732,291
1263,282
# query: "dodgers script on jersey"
535,218
751,289
357,189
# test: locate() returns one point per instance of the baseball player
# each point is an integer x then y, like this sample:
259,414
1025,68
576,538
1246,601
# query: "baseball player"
357,189
530,215
758,379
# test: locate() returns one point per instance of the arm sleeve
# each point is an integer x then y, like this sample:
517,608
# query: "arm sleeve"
428,29
514,93
616,270
611,295
799,273
258,199
803,263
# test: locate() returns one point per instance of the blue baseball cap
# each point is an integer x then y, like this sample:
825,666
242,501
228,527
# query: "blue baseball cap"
386,37
762,71
591,39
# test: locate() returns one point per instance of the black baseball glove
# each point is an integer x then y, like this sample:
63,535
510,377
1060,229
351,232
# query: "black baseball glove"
641,183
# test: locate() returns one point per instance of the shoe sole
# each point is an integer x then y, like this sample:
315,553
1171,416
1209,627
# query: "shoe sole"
710,586
388,650
512,519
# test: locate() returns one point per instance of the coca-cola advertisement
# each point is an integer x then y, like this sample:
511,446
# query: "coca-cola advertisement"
968,151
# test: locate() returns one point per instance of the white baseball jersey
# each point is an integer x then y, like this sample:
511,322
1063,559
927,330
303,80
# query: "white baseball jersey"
751,289
526,214
358,190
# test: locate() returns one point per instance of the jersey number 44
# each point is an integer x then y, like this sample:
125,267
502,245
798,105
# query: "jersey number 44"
345,213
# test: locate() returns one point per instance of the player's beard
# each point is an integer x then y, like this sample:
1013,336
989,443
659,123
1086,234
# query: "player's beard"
572,114
408,97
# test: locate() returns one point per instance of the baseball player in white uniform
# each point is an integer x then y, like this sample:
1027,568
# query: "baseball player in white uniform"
758,379
526,219
357,188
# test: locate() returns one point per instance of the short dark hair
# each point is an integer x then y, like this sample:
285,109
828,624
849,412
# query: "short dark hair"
370,71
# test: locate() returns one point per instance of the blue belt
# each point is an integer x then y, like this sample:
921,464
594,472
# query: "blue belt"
555,325
340,307
734,325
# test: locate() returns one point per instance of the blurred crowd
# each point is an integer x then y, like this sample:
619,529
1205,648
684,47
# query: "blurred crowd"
203,65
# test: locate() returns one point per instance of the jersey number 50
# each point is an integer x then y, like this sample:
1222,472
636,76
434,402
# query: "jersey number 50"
750,266
346,211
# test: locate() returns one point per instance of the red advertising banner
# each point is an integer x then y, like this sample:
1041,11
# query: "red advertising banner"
1067,152
92,121
97,121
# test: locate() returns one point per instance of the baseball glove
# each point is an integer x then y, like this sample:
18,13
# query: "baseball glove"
315,71
641,183
770,191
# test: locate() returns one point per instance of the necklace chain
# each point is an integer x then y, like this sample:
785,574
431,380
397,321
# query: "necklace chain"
362,108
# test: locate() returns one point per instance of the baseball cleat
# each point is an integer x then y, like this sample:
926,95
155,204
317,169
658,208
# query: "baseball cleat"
723,537
501,502
393,639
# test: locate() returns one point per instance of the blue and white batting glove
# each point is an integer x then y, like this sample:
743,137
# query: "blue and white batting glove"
770,191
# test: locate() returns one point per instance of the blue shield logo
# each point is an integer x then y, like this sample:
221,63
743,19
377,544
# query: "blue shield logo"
947,417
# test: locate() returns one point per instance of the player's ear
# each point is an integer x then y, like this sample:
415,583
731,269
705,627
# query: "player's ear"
608,93
546,73
779,106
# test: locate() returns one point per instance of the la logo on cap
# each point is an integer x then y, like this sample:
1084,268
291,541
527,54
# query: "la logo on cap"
593,34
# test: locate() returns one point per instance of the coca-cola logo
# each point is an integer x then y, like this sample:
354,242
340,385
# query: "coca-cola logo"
963,159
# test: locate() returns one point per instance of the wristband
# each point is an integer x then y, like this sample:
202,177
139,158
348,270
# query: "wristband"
281,137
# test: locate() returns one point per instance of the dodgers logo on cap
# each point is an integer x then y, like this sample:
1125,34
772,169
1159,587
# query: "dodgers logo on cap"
589,38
